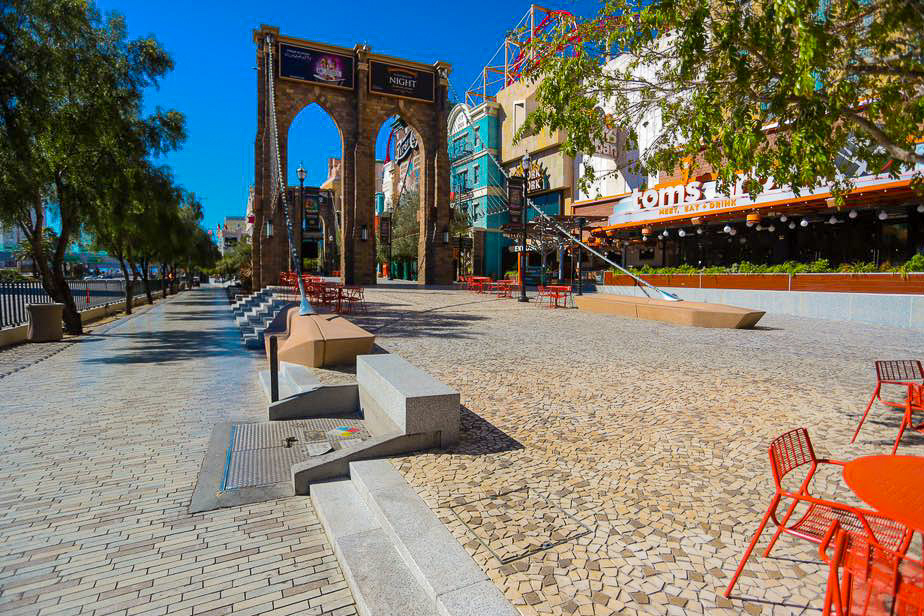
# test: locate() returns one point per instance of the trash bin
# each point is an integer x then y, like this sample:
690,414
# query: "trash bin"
45,322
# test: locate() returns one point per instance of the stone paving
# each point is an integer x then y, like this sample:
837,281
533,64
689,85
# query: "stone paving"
100,444
653,436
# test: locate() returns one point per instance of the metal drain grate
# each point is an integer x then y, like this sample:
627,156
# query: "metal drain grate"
518,523
257,454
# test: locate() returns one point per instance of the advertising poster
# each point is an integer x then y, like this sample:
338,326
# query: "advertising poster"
397,80
316,66
515,199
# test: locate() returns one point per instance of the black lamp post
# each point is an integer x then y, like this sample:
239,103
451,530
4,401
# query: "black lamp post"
300,172
580,272
522,255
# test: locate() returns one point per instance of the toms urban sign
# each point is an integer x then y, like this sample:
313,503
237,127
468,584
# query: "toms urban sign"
399,80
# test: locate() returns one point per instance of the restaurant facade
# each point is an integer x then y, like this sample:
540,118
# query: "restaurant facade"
684,220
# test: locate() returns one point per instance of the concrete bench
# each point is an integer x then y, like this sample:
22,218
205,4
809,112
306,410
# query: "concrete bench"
317,340
398,397
697,314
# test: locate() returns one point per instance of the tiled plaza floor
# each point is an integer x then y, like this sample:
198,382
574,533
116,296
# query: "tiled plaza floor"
100,444
652,436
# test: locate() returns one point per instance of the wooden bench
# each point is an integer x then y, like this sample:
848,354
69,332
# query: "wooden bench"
319,340
697,314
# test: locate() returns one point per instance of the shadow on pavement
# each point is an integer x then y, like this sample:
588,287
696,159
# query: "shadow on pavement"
478,436
392,320
174,345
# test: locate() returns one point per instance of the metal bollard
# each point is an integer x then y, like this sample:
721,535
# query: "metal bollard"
274,370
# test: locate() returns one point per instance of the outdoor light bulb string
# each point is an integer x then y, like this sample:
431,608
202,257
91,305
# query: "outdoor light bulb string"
562,230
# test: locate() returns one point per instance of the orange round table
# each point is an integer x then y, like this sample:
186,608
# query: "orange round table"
893,485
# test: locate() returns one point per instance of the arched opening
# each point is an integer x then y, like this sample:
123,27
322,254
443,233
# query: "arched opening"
314,145
399,150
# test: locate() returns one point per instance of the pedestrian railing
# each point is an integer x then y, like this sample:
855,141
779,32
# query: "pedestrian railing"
15,296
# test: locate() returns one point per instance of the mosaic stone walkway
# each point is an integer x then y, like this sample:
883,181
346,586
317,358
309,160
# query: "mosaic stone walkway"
654,437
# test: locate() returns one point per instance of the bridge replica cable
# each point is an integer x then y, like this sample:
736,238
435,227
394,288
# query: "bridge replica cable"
304,307
564,232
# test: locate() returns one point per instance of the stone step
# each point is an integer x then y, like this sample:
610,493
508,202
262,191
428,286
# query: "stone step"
381,582
293,379
377,515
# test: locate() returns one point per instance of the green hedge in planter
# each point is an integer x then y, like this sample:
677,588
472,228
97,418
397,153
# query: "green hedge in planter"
821,266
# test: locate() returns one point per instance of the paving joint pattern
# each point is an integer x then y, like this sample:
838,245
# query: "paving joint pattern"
100,445
654,436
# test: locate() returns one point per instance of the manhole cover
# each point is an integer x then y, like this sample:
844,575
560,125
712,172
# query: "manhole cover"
515,524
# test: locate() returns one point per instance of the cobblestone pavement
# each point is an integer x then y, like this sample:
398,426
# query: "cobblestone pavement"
653,437
99,449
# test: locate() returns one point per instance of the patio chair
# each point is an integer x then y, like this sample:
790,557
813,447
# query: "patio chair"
793,450
914,403
353,297
873,579
902,372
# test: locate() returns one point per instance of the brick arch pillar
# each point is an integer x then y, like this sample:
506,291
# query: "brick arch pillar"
434,256
357,259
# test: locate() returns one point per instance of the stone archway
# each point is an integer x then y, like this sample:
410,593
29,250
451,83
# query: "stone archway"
359,90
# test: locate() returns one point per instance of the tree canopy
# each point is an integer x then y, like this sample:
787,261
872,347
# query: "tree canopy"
73,134
771,88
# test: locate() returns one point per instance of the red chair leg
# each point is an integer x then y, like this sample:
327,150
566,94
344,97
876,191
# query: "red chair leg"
866,412
747,552
901,431
784,522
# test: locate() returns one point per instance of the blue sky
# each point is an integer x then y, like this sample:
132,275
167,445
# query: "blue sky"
214,83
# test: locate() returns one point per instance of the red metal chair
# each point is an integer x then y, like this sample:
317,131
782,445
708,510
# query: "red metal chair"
875,580
914,403
353,297
787,453
902,372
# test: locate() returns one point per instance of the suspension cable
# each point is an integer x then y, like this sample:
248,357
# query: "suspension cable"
567,234
279,183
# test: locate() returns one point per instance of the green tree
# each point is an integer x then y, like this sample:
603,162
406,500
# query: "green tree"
776,88
71,85
406,226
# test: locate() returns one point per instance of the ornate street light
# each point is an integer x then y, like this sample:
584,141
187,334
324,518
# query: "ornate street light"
522,255
300,173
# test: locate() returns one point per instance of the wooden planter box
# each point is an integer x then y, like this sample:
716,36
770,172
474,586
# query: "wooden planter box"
907,284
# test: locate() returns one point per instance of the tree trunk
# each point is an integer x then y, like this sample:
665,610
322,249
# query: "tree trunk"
163,279
128,285
52,274
146,280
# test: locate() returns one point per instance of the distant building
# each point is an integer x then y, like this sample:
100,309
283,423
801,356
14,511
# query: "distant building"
10,238
231,232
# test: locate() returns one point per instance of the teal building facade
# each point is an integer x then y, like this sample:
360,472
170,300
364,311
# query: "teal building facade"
478,186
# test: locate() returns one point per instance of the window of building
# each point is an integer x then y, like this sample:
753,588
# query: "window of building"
475,174
478,143
462,180
519,114
458,145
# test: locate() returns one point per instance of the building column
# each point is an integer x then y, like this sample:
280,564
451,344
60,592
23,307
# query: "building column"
434,263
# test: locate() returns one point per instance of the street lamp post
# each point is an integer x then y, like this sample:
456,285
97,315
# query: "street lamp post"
580,272
522,255
300,172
